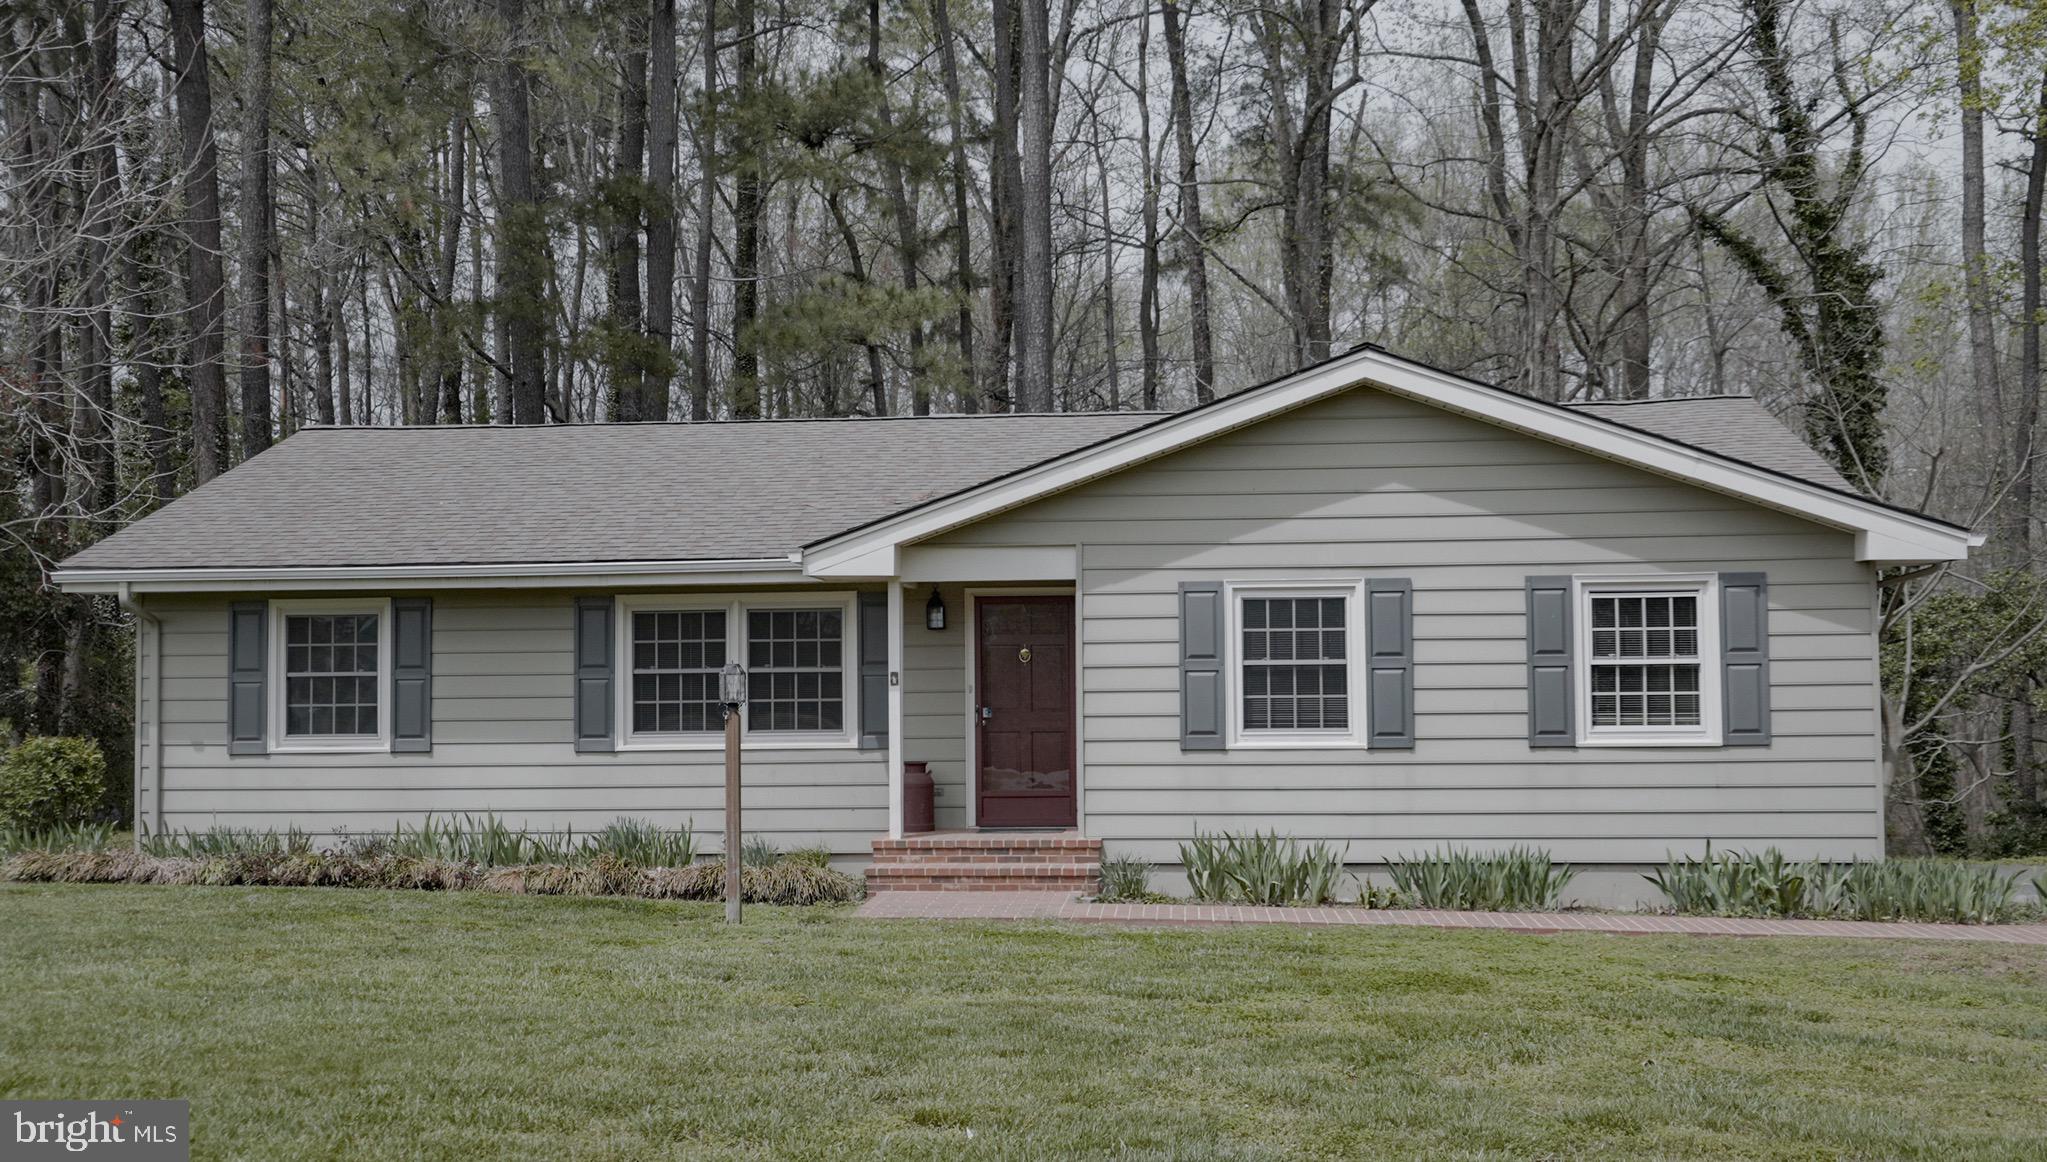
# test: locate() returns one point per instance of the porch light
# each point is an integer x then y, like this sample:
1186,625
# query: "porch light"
732,686
934,611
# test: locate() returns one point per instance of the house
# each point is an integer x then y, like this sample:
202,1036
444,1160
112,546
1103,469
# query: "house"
1372,603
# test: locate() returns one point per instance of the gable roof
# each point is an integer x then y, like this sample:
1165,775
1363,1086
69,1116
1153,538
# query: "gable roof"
1884,532
1735,426
482,495
839,496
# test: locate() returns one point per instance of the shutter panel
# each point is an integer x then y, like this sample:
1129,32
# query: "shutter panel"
1745,658
412,674
1550,721
248,656
1201,663
594,665
873,671
1389,622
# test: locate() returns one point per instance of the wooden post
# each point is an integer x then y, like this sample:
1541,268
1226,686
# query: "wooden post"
732,841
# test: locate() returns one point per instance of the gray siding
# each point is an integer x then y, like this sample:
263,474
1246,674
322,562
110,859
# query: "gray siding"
1371,485
934,697
502,700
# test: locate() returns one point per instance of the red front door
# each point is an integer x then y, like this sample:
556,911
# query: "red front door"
1024,712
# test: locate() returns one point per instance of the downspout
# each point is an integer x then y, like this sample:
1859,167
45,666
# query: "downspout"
148,684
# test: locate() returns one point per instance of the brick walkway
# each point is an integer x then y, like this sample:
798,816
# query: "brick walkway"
1061,906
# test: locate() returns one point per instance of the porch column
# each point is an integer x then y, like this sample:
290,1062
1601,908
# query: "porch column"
895,709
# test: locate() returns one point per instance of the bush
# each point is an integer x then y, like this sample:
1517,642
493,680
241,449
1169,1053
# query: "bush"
1520,879
69,837
640,842
51,782
787,882
1261,869
757,851
1126,878
1767,884
226,842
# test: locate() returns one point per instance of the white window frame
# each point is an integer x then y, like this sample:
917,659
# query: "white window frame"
735,607
1706,587
328,743
1352,591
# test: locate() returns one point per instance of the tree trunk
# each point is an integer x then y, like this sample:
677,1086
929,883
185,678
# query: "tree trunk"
627,366
962,232
1148,275
522,228
1975,261
661,137
447,327
205,287
1190,208
1109,341
2026,789
746,223
1034,210
707,216
909,240
256,228
1005,182
95,411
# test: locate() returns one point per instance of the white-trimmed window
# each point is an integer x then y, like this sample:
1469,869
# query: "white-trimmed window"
794,648
1295,656
1648,661
332,663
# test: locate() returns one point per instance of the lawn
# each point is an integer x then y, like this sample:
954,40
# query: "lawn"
322,1023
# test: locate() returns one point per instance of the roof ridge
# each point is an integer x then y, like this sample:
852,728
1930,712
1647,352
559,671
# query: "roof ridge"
629,425
1611,403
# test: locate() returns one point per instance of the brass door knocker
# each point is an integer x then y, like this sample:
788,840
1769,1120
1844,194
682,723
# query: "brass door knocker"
1024,655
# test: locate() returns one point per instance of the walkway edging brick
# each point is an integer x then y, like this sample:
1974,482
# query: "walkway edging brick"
1024,905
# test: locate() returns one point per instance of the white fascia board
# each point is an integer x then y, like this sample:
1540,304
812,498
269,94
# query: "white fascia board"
538,575
1883,535
876,562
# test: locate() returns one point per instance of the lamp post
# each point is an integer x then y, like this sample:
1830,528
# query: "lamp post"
732,692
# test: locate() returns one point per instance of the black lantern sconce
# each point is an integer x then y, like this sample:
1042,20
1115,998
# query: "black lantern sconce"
934,611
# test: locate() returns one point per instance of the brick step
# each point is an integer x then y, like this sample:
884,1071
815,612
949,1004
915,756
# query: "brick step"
968,841
924,858
984,876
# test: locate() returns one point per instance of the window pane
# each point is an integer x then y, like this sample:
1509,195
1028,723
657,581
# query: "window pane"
1291,664
676,657
795,657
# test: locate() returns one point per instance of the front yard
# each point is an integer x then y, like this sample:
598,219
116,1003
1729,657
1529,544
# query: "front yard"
310,1023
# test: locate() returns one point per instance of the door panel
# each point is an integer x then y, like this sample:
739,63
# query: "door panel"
1024,731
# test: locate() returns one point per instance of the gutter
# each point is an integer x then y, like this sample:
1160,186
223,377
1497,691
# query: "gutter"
524,574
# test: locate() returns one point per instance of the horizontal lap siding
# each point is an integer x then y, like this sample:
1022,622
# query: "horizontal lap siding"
1371,485
934,698
503,699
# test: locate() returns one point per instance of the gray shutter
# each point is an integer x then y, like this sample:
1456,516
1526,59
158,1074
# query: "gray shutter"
412,674
1201,665
248,656
594,665
1550,722
873,671
1389,624
1745,658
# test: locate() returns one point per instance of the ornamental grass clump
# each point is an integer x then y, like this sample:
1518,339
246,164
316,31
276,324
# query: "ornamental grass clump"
1766,884
640,842
222,842
1126,879
1520,879
61,837
1261,868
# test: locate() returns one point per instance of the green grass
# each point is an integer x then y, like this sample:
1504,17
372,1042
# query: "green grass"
318,1023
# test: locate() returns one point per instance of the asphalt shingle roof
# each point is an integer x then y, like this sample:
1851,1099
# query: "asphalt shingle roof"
1735,426
365,496
598,492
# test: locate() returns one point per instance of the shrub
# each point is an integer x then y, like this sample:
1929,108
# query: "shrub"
1261,869
226,842
1126,878
66,837
51,782
787,882
757,851
1731,884
639,842
814,855
1766,884
1520,879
